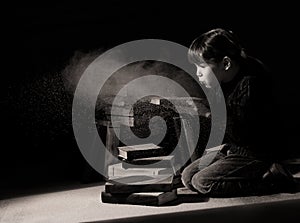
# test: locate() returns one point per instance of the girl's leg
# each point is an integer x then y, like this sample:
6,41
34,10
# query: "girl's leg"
188,173
233,175
198,165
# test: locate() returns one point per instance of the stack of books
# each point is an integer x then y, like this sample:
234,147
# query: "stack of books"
145,177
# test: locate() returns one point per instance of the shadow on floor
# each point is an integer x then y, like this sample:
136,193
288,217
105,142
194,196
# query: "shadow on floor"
50,187
38,180
283,211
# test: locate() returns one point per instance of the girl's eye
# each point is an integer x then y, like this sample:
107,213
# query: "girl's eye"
202,65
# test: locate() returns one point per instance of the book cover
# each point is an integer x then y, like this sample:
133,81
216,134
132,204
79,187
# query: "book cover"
140,151
188,105
117,170
164,162
147,198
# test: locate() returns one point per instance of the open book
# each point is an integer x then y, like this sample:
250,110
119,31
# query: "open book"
117,170
136,184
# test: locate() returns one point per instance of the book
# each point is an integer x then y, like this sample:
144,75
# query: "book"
215,150
138,184
140,151
117,170
146,198
188,105
164,162
185,195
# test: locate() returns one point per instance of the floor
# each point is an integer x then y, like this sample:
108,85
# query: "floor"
83,204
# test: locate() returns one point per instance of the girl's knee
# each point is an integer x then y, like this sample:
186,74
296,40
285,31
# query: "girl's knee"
186,178
202,184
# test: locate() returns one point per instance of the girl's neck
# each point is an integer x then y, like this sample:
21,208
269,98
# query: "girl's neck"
231,73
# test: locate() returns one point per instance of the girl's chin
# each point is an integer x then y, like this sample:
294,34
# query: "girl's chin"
207,86
204,84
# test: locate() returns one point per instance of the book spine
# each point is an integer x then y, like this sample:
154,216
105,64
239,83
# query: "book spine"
122,154
117,170
139,163
144,153
138,199
139,172
131,199
126,189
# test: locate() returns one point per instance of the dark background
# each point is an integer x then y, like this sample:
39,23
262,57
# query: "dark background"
38,145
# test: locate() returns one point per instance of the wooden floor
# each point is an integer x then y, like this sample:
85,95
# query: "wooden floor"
77,202
83,204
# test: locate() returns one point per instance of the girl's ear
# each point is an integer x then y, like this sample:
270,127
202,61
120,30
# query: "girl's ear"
226,63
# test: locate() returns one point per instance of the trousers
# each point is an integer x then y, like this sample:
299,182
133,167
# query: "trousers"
231,173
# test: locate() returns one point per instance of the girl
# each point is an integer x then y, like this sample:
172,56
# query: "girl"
242,166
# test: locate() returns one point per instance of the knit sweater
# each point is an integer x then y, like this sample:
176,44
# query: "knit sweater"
248,103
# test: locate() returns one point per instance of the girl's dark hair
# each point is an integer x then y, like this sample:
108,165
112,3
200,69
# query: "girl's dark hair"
213,45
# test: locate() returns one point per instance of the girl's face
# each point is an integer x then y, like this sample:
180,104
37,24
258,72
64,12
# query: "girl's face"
206,72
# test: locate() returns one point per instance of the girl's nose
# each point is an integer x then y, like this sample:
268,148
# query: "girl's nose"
199,74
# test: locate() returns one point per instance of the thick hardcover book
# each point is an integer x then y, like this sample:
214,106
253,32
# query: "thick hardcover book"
188,105
137,184
161,161
117,170
147,198
140,151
